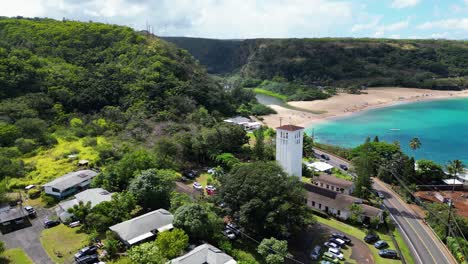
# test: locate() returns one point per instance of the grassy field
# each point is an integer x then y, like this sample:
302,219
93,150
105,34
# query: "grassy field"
403,247
270,93
64,240
53,162
359,233
16,256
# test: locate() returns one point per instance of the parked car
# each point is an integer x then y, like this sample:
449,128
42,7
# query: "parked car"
29,187
87,259
191,174
197,186
388,253
234,228
325,262
371,238
51,223
380,244
315,253
337,241
229,234
380,195
30,211
342,237
74,224
85,251
325,157
331,245
330,257
343,167
210,189
336,252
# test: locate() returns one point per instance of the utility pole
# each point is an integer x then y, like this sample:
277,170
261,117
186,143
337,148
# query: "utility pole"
281,119
449,224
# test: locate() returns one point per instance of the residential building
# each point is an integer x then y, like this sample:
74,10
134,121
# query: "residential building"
95,196
245,122
12,218
70,183
204,254
289,149
333,183
338,204
143,227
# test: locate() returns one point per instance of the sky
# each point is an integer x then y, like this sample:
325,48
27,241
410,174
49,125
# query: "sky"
240,19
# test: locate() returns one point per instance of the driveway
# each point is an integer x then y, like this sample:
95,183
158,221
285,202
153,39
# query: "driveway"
28,238
319,234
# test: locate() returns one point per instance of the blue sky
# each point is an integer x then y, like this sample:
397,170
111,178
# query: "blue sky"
264,18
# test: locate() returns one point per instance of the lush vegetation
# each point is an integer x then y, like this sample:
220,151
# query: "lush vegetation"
15,256
438,64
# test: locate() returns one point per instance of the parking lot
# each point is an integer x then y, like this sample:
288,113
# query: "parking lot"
28,238
319,234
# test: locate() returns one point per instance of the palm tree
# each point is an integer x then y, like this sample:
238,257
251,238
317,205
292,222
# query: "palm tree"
415,143
455,167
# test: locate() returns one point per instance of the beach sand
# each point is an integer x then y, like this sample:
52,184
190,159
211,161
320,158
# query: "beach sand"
345,104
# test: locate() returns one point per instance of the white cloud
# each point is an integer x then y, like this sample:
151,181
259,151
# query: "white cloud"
27,8
382,30
404,3
366,26
449,24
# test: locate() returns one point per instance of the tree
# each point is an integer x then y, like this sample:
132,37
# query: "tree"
227,160
2,247
376,139
308,145
178,200
172,243
455,167
152,188
429,171
147,253
274,251
415,144
8,134
80,211
194,220
364,166
262,190
356,213
259,147
167,153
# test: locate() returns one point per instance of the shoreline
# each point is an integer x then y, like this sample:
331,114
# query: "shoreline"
344,105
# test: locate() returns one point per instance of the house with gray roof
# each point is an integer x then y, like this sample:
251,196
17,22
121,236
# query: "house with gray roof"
143,227
12,218
338,204
70,183
95,196
204,254
335,184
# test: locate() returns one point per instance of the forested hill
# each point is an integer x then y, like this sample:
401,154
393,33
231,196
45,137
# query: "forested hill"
438,64
49,66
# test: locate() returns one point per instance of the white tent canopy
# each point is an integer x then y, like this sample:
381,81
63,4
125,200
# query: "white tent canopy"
320,166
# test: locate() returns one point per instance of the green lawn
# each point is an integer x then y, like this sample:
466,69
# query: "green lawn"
64,240
403,247
121,260
359,233
270,93
16,256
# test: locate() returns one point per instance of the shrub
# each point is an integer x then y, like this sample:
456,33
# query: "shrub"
25,145
89,142
48,200
34,193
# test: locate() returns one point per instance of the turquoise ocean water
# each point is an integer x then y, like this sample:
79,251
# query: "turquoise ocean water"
441,125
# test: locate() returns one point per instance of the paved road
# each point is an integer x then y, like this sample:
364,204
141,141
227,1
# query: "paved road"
334,161
28,239
424,245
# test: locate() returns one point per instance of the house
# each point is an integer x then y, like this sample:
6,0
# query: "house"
95,196
335,184
12,218
143,227
289,149
245,122
453,182
204,254
338,204
70,183
463,178
320,166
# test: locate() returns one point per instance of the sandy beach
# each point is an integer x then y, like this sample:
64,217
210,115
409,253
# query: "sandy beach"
345,104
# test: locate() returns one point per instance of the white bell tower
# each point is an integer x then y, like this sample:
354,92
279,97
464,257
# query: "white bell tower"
289,149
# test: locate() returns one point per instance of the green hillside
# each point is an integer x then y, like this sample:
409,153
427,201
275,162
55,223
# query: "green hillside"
438,64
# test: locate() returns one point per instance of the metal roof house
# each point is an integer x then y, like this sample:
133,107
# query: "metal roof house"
12,218
143,227
338,204
204,254
335,184
70,183
95,196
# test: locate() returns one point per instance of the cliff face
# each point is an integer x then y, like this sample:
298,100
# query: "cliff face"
372,62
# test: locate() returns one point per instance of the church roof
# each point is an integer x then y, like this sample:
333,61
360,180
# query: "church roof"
290,127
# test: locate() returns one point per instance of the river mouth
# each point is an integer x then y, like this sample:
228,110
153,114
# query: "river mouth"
270,100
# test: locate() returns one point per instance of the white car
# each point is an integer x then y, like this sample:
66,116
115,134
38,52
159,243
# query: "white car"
197,186
340,241
210,188
331,245
336,252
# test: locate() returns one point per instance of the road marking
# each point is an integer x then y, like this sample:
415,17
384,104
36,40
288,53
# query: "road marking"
412,227
407,238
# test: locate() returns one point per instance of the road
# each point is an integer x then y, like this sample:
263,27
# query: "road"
423,243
